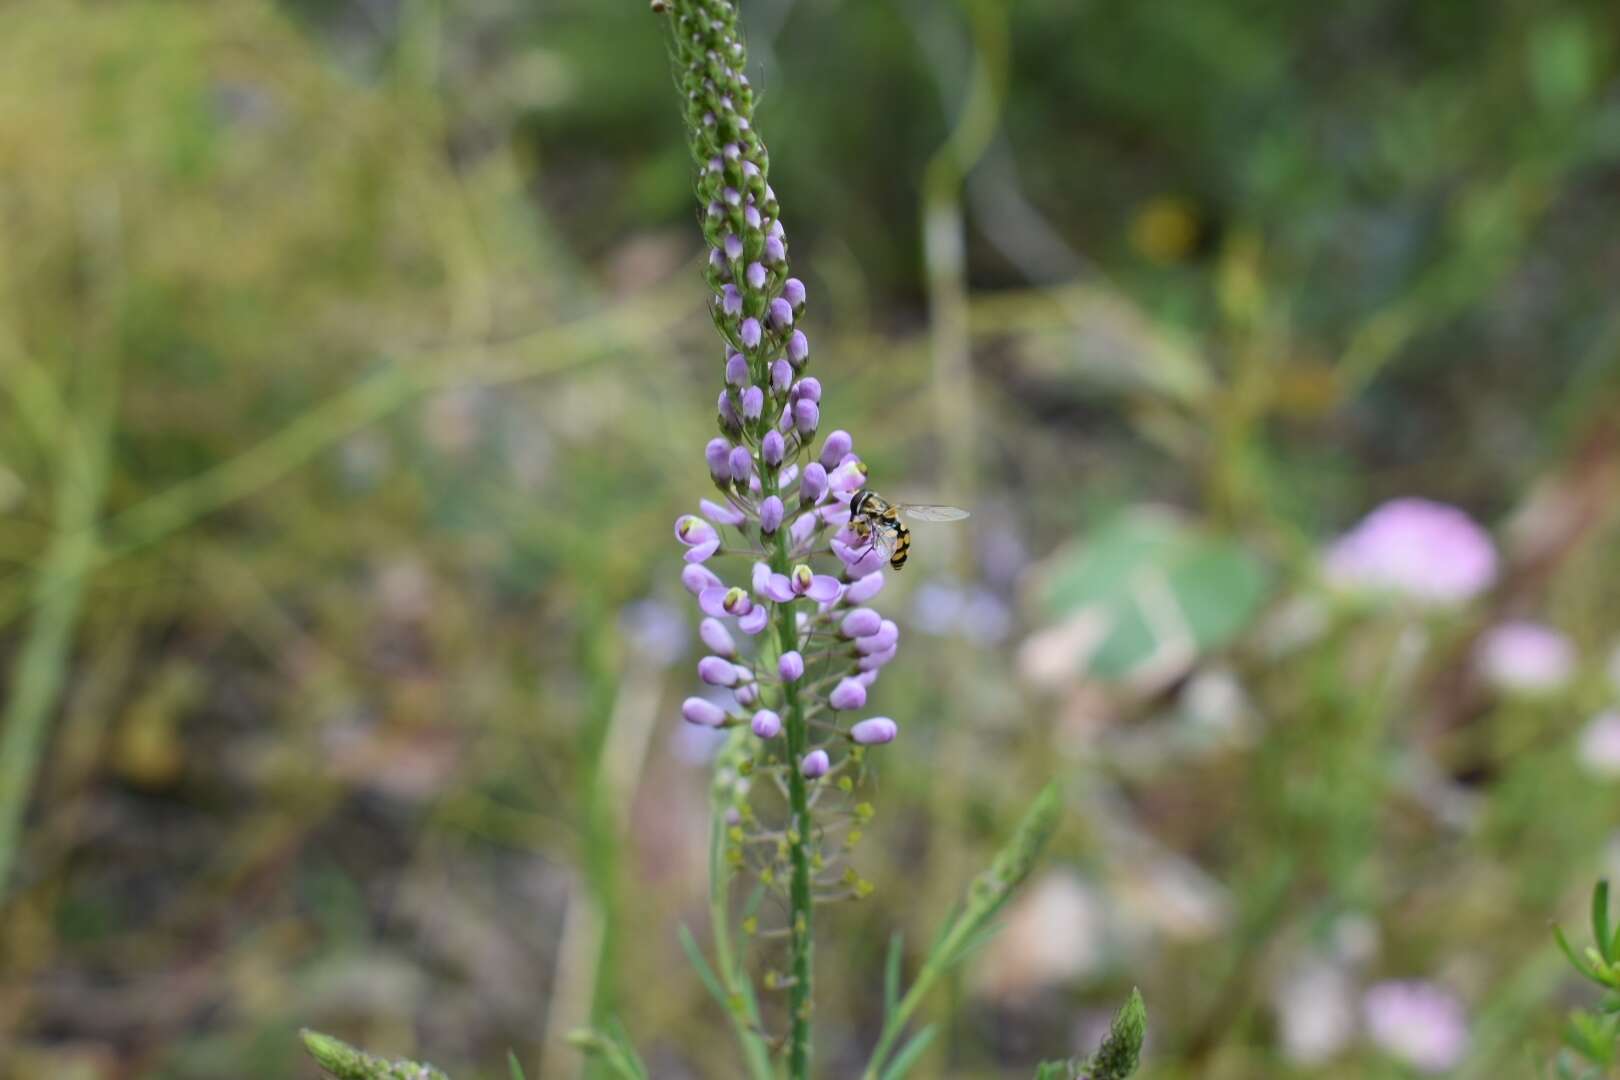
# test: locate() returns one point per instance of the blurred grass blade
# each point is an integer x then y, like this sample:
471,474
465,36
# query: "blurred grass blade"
910,1054
891,975
36,682
612,1049
513,1068
1600,919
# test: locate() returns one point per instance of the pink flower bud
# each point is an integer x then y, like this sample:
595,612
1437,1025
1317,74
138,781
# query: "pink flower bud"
879,729
704,713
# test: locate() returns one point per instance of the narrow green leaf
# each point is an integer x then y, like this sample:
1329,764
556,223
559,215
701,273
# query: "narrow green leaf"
910,1054
612,1049
891,976
1569,954
1055,1070
627,1048
705,972
513,1068
1600,920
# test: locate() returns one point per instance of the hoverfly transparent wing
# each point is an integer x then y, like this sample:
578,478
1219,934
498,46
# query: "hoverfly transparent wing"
924,512
884,540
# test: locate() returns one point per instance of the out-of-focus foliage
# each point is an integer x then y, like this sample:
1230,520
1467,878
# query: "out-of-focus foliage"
367,718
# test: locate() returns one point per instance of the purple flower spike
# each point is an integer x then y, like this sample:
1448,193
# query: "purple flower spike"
704,713
731,300
815,765
718,455
798,348
750,333
833,450
753,402
737,369
793,292
847,479
718,601
781,313
848,694
859,592
751,216
808,389
755,275
728,415
722,515
732,196
777,587
775,251
814,484
755,621
772,448
698,578
804,527
781,375
742,464
885,638
822,588
771,513
862,622
717,638
699,537
747,695
858,561
717,259
790,666
876,660
879,729
733,247
717,671
806,415
767,725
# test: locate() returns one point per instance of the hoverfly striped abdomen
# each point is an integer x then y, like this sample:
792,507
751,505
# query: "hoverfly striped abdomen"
874,517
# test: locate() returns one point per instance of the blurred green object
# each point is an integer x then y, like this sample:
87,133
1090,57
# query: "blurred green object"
1160,591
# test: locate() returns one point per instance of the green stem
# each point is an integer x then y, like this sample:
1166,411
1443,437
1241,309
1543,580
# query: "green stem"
801,914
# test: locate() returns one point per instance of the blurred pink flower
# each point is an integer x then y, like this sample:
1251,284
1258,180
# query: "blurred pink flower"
1527,657
1417,1022
1599,746
1423,550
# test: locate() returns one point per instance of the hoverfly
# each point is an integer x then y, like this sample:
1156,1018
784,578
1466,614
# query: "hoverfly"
876,519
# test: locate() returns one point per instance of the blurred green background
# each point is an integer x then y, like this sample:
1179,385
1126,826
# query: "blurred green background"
355,365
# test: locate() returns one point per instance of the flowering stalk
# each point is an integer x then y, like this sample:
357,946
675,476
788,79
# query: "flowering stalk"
788,509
